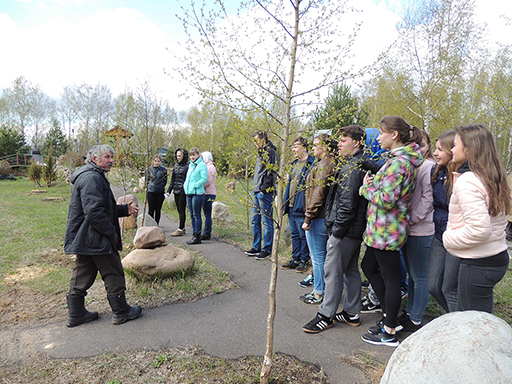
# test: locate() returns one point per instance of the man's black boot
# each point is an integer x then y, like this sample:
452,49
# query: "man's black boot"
122,312
196,239
77,314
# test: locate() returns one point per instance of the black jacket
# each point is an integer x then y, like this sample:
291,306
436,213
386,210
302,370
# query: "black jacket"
345,210
179,174
265,170
93,216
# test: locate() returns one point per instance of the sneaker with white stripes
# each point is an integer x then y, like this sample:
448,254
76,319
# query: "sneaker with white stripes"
318,324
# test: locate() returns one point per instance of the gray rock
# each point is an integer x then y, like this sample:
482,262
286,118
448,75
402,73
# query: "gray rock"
149,237
161,261
460,347
220,211
148,221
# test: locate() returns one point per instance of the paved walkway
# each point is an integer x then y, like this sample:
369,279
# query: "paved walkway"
230,324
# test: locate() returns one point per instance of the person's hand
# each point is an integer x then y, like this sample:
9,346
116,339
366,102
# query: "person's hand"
132,210
368,179
166,195
305,226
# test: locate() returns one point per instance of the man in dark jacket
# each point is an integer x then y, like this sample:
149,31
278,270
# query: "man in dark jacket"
265,177
294,205
93,234
345,218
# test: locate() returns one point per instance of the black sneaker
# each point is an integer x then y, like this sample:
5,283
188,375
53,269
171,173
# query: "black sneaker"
292,264
380,327
345,317
310,298
252,252
263,255
368,307
408,326
381,338
302,267
318,324
307,282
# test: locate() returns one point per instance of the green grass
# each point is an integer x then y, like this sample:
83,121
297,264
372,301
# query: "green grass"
35,269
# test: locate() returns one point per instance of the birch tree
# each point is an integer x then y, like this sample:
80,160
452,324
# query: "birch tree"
262,56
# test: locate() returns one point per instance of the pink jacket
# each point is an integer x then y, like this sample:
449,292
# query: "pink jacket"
471,232
421,220
209,186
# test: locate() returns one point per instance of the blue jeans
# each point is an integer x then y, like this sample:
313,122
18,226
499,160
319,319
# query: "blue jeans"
195,202
261,211
300,250
443,276
317,242
416,251
207,210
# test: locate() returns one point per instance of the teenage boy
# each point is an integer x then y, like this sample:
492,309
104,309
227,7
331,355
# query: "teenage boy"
293,205
264,188
345,218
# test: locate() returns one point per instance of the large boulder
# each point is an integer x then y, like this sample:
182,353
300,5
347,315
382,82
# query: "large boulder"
129,221
148,221
149,237
459,347
220,211
161,261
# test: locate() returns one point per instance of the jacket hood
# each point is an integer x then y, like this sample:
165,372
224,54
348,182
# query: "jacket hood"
372,145
90,167
185,156
411,152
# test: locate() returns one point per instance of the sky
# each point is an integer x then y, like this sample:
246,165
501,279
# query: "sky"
122,43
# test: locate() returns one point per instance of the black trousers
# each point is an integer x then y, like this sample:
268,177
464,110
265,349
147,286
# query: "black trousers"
87,267
382,269
181,205
155,202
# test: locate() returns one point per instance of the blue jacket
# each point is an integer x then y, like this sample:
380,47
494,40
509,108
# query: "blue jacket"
299,202
197,175
441,202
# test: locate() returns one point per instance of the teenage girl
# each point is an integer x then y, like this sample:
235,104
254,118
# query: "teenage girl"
417,247
156,179
443,268
477,217
389,194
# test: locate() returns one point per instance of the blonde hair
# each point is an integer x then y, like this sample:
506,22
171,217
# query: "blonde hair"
445,140
483,159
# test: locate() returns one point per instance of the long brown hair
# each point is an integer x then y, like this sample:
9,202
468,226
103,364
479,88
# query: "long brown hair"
445,141
483,160
407,133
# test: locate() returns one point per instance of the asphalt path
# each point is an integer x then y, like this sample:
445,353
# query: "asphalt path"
229,325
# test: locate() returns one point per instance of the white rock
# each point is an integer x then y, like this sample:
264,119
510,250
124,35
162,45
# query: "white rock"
460,347
220,211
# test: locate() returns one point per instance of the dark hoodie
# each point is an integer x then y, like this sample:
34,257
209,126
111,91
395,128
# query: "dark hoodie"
179,174
265,170
93,224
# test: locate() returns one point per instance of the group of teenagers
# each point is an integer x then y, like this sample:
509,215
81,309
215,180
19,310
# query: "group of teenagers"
443,213
192,183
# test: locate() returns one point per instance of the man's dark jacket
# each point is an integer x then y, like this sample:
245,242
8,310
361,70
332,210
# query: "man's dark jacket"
345,210
93,217
265,174
179,174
